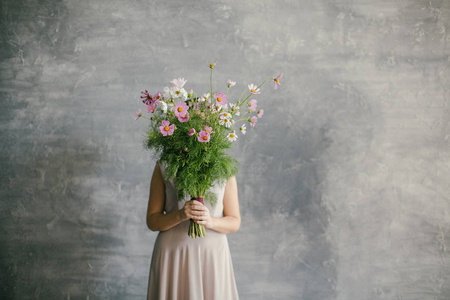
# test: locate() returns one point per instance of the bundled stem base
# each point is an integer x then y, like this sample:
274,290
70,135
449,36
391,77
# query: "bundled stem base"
196,230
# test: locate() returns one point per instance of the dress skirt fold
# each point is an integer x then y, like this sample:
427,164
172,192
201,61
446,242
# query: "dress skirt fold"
183,268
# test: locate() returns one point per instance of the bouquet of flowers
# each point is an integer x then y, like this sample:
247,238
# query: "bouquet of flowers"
190,134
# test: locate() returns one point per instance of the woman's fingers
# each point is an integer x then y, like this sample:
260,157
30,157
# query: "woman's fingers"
195,210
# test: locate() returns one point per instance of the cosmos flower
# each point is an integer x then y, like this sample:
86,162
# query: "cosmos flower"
260,113
221,98
191,132
253,121
181,109
183,118
179,83
254,89
166,128
231,83
208,129
204,137
138,114
277,80
146,97
252,105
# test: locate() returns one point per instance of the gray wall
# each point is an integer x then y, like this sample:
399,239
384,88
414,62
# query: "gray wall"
344,183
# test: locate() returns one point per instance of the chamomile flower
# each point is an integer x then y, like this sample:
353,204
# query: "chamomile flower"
177,92
226,122
254,89
205,97
243,129
232,136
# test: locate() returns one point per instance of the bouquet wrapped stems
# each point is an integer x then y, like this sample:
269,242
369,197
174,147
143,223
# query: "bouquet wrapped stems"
196,230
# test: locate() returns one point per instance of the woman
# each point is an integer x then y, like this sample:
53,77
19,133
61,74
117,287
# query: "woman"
186,268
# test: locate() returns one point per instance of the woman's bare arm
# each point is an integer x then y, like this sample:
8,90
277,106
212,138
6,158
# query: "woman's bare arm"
157,220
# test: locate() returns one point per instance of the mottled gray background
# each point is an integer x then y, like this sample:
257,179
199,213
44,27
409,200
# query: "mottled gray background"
344,183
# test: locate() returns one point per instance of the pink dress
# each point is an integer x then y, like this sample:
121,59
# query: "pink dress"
184,268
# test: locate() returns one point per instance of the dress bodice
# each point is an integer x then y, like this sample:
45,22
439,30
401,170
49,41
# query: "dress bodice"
172,203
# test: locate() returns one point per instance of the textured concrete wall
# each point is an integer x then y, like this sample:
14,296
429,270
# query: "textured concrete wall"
344,183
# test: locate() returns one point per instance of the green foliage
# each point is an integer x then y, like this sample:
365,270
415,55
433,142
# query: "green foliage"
195,166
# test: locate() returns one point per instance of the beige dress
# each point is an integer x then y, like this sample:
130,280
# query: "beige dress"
184,268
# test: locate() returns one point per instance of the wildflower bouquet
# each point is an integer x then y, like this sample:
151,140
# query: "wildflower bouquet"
190,134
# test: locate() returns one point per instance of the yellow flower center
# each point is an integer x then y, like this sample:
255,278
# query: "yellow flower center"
180,109
277,80
226,120
205,137
231,135
177,92
167,128
208,131
219,99
253,90
211,65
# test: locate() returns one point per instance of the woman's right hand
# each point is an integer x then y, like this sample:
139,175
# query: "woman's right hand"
192,210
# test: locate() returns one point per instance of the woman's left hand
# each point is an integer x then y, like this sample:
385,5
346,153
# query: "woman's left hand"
205,218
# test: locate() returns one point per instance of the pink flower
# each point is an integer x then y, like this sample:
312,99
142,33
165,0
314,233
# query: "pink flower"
179,83
191,132
231,83
146,97
277,80
204,136
252,105
183,118
253,121
221,98
254,89
208,129
157,96
138,114
166,128
152,107
260,113
181,109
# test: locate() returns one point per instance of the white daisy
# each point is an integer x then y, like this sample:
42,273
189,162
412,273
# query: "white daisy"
243,129
232,136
